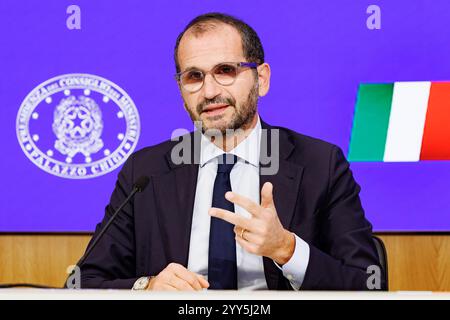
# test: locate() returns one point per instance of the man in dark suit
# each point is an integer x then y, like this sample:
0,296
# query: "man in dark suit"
238,204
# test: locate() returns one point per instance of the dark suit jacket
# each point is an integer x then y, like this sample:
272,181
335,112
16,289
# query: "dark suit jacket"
315,195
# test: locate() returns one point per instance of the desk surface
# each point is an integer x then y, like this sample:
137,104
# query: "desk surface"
59,294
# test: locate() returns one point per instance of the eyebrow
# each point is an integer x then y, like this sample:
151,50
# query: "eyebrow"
192,68
203,70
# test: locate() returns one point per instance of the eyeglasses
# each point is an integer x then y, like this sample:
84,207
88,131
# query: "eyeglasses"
224,74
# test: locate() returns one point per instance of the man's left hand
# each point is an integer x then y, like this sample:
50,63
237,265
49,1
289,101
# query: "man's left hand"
262,234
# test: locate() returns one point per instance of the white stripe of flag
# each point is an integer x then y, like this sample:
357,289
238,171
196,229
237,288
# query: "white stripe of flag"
407,121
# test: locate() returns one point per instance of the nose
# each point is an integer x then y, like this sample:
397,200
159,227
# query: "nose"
211,88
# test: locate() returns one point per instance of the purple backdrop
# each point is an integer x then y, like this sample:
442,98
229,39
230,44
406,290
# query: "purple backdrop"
319,52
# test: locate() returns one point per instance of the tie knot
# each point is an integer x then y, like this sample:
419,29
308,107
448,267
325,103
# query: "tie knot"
226,162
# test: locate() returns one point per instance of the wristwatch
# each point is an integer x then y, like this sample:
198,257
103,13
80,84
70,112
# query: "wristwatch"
141,283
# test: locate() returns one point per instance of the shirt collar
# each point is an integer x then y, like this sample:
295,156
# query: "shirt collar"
247,149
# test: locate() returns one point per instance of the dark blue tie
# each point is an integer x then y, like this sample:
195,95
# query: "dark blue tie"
222,268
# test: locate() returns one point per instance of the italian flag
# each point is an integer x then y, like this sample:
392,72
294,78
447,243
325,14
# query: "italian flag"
401,121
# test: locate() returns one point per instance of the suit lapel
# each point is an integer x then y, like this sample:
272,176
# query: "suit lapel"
286,183
175,194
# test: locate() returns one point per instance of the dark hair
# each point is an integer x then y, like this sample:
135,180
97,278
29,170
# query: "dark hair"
251,44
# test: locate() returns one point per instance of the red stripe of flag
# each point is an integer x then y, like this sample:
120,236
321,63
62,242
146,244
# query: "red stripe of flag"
436,135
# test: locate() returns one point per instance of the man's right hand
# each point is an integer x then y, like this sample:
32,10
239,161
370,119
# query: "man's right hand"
176,277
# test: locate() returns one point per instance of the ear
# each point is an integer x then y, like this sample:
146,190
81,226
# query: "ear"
179,85
263,79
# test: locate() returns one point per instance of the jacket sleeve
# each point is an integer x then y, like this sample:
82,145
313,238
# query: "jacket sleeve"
112,263
346,249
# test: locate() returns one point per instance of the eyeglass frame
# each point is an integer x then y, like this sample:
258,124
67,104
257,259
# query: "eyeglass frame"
252,65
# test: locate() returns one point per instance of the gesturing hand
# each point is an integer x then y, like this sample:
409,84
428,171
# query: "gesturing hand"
262,234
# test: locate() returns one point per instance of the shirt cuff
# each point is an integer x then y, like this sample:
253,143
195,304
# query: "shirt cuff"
294,270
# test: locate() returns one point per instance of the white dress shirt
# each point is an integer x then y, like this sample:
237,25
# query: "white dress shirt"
244,181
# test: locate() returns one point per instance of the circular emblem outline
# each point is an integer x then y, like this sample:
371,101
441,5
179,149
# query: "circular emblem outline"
79,170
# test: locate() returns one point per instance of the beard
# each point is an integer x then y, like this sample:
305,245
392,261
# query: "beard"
241,118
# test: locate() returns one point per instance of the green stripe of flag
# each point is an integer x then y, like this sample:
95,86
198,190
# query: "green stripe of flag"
370,125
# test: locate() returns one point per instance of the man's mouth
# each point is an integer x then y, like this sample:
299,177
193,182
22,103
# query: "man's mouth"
215,109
